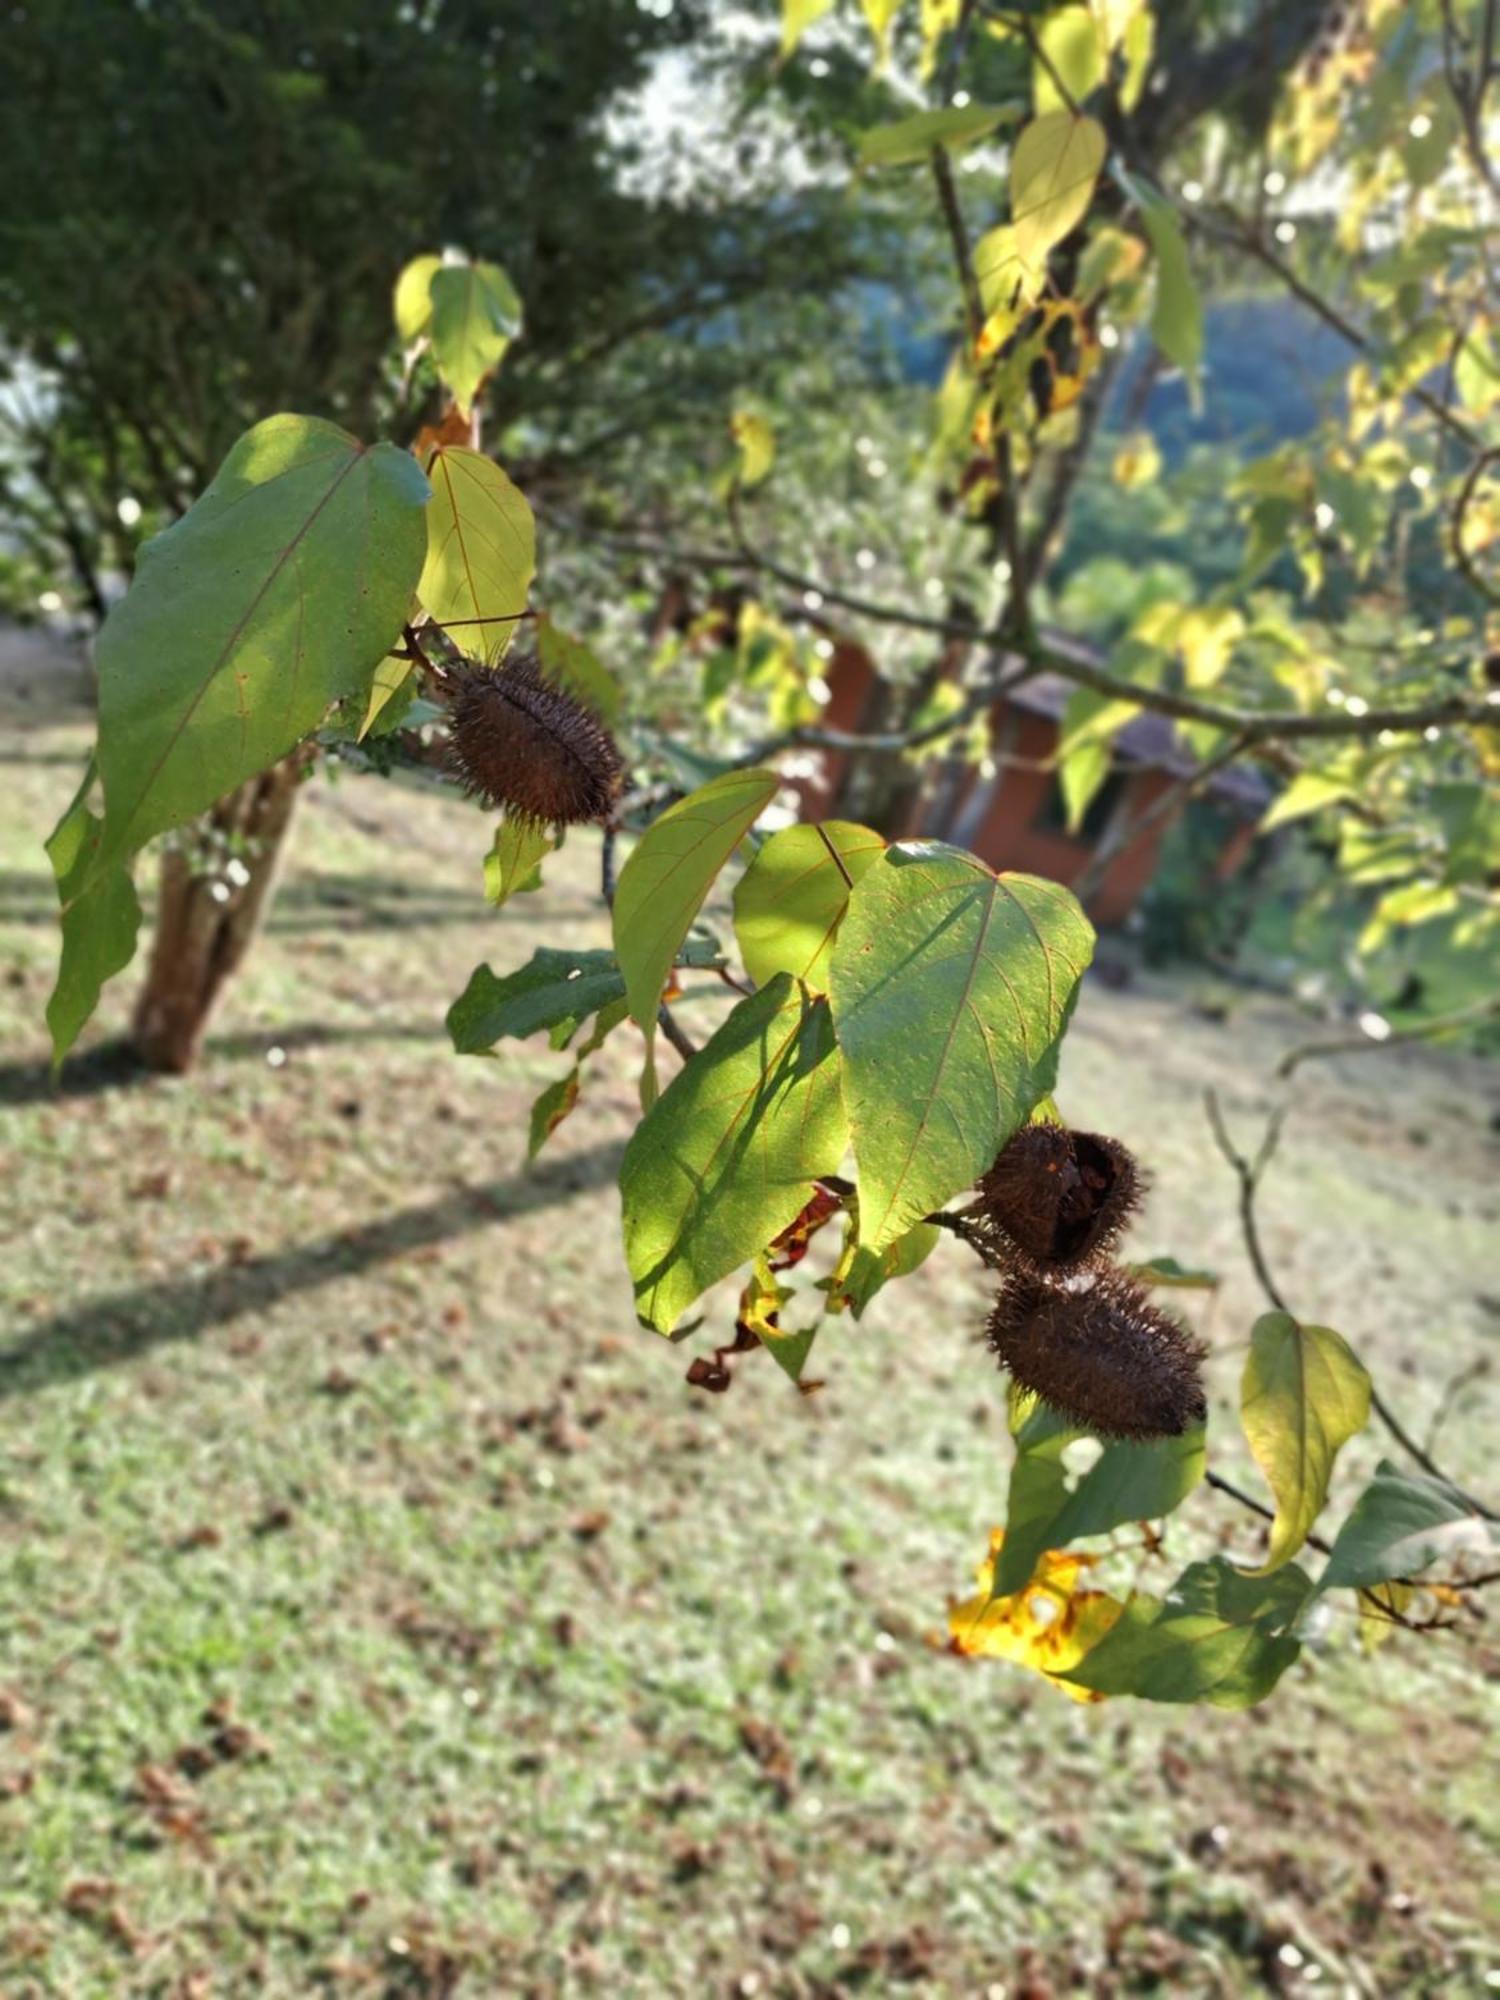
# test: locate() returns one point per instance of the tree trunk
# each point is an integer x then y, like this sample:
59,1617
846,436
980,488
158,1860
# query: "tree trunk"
209,908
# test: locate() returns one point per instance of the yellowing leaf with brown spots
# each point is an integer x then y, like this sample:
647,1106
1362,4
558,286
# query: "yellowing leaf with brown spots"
1048,1626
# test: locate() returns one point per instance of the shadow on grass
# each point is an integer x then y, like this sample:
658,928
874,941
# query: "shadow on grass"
311,902
114,1065
122,1326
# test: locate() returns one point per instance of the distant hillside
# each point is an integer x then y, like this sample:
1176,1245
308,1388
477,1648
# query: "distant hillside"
1269,371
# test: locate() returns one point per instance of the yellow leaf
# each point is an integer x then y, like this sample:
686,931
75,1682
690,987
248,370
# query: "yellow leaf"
938,18
761,1302
1069,352
481,551
797,16
1206,637
1052,175
1140,41
1308,793
1009,284
1115,17
387,682
514,860
1048,1626
476,314
1074,48
1137,462
1111,258
1304,1394
880,14
412,303
1380,1609
757,443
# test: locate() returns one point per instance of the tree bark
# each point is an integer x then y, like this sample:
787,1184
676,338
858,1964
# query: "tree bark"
206,916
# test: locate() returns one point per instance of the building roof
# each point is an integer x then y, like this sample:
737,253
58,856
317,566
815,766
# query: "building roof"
1151,740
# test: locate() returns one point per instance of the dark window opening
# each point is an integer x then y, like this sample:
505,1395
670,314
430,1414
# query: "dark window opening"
1052,815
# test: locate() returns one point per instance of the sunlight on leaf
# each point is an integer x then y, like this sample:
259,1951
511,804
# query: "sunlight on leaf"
1052,174
1401,1524
757,446
1303,1396
1216,1637
911,140
674,865
788,902
513,863
279,592
100,919
476,314
727,1155
1049,1625
1073,43
412,301
1080,774
481,552
951,988
797,16
389,681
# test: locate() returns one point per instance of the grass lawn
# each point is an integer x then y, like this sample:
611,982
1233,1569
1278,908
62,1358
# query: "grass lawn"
381,1614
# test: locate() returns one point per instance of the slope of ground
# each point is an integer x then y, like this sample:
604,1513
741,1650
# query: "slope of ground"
380,1613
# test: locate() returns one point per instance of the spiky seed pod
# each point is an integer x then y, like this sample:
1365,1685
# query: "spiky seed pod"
1061,1198
520,742
1096,1349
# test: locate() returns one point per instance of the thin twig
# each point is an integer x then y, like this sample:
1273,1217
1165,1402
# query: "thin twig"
1461,557
1454,1388
1123,835
1222,225
1423,1457
1248,1173
979,698
1016,617
684,1044
958,237
1048,650
835,857
1440,1024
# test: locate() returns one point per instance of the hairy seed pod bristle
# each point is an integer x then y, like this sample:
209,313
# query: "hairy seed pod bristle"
1096,1349
1061,1198
519,741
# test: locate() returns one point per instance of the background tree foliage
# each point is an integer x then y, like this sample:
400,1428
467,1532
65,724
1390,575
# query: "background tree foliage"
324,589
320,144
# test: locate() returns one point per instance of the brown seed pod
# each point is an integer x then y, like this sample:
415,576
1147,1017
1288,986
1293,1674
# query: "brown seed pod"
1096,1349
1060,1198
520,742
